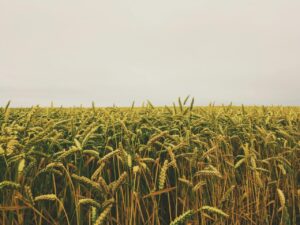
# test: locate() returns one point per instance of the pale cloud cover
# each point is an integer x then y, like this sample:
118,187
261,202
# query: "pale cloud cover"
76,52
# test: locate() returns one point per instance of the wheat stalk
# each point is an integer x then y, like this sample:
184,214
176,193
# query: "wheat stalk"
103,215
198,185
215,210
87,181
98,171
183,218
281,197
9,185
119,182
47,197
89,202
103,184
29,194
163,174
108,156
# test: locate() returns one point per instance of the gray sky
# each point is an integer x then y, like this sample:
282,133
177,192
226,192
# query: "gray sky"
75,52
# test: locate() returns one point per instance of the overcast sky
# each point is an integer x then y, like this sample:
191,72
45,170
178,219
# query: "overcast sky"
113,52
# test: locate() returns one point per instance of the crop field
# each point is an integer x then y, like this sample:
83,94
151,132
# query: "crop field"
150,165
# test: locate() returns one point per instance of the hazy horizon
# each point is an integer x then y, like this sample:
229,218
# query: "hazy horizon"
117,52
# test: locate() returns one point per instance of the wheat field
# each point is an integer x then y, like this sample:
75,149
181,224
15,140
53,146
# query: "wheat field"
150,165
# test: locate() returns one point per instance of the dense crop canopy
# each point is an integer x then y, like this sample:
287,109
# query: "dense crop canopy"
150,165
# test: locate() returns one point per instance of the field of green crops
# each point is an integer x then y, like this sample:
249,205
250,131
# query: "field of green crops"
150,165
